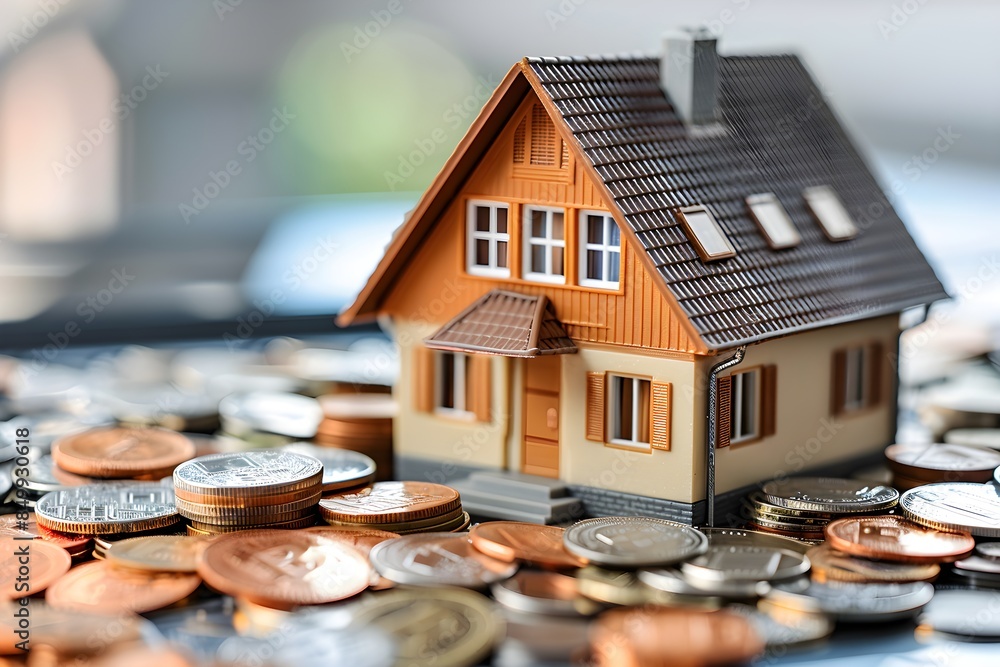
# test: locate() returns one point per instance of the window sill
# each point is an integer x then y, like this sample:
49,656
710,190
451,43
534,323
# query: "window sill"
488,272
629,446
546,278
451,414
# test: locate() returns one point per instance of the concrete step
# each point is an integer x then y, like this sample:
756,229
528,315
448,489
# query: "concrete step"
528,487
557,509
503,514
517,497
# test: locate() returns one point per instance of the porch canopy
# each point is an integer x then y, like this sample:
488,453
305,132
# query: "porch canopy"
507,324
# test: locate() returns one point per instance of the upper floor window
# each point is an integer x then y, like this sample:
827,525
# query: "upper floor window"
600,250
829,211
488,239
452,383
703,230
544,244
536,142
629,406
745,407
773,221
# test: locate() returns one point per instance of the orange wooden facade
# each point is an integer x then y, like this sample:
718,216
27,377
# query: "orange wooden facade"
435,285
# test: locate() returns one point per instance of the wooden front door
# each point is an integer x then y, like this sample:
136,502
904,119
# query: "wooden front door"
540,452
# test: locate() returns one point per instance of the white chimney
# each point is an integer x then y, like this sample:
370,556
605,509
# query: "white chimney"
689,74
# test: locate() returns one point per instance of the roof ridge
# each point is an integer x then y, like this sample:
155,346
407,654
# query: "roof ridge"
636,56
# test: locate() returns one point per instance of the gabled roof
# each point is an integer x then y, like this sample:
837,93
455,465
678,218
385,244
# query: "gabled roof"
507,324
776,135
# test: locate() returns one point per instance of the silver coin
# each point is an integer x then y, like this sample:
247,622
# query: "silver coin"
282,413
300,644
974,614
855,602
40,477
977,437
108,508
546,593
249,471
342,468
617,587
963,506
742,536
745,563
989,550
675,583
829,494
437,559
978,564
633,541
787,629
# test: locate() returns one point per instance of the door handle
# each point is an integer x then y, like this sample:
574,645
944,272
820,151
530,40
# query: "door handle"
552,419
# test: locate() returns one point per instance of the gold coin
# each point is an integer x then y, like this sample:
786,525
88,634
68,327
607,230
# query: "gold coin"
159,553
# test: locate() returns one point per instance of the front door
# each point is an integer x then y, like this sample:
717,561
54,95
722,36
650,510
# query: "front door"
540,452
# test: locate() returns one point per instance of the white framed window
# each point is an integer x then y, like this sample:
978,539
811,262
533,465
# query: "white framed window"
488,239
773,221
857,378
706,234
451,384
829,211
600,250
628,408
544,244
745,411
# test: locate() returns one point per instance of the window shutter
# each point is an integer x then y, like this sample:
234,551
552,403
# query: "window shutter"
659,427
769,403
839,388
543,138
423,379
877,352
595,407
519,133
478,398
565,155
723,411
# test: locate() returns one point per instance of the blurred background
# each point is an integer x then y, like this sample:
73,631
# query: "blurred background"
197,168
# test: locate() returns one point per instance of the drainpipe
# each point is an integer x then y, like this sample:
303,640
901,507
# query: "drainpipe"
713,404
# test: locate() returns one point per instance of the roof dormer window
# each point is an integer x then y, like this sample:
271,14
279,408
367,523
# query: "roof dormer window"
706,235
773,221
829,211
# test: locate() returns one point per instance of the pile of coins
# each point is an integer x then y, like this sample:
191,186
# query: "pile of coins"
223,493
360,423
915,465
398,507
801,507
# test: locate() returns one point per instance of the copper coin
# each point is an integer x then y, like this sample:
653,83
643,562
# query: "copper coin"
362,539
513,540
105,589
158,553
11,526
391,502
248,500
284,569
897,539
651,636
829,564
30,566
943,462
121,452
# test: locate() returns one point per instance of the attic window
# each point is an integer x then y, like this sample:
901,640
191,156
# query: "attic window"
537,145
519,133
773,221
829,211
709,239
543,138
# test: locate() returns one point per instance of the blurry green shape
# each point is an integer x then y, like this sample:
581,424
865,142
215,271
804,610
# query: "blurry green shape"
373,106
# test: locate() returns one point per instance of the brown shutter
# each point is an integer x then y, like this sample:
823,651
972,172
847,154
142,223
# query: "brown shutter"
769,404
595,407
478,391
543,138
423,379
723,411
876,363
659,427
839,389
519,134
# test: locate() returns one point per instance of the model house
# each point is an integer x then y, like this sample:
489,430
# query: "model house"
607,232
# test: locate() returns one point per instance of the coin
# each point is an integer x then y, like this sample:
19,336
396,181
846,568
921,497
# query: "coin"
963,614
894,538
358,406
646,637
434,627
11,525
829,494
546,593
958,506
283,569
342,468
745,563
229,514
943,462
159,553
633,541
456,524
438,559
108,508
807,538
989,550
273,412
759,504
779,627
512,540
697,593
739,536
242,474
978,565
100,588
201,529
831,565
29,566
362,539
121,452
975,437
858,603
429,524
617,587
391,502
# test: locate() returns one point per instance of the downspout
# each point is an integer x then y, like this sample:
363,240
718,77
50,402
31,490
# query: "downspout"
713,404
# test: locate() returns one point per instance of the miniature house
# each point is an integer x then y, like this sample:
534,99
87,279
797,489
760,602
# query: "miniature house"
607,232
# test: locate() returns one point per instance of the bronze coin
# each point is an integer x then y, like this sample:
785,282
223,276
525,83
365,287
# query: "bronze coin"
943,462
513,540
158,553
284,569
30,566
362,539
250,499
214,529
104,589
390,502
829,564
897,539
11,526
121,452
794,534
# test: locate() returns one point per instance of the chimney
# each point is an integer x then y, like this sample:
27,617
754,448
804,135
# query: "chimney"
689,74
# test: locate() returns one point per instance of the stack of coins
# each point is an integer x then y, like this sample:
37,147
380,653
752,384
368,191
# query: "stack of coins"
914,465
800,507
117,453
981,569
398,507
224,493
360,423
